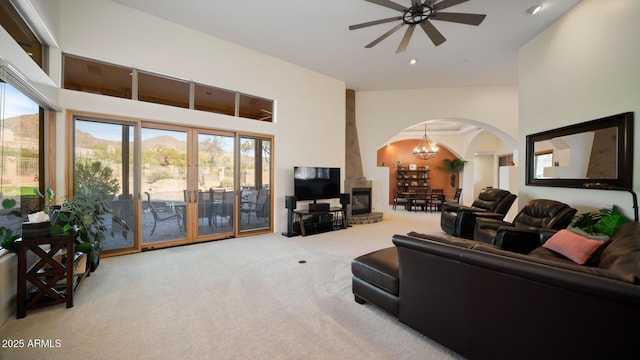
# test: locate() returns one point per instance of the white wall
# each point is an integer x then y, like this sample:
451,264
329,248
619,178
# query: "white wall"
382,114
310,119
310,122
583,67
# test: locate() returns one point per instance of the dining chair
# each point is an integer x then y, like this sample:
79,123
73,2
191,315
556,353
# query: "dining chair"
398,200
436,199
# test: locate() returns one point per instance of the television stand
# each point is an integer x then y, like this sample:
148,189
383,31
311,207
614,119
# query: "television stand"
309,222
319,207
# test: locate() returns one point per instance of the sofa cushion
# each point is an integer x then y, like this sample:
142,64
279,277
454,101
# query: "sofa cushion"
573,246
625,240
627,267
379,268
549,255
579,231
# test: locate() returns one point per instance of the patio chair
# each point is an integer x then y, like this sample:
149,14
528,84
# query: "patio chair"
205,205
161,212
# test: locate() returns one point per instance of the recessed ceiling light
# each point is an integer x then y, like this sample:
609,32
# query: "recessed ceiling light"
413,61
534,9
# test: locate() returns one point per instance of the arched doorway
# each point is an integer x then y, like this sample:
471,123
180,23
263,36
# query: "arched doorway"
479,144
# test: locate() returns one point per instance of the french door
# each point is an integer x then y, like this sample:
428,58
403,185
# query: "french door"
177,184
164,161
109,147
255,183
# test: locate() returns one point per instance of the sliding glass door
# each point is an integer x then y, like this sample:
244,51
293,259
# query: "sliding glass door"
255,183
177,184
213,192
163,182
104,154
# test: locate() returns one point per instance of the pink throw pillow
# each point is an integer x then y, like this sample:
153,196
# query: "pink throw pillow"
575,247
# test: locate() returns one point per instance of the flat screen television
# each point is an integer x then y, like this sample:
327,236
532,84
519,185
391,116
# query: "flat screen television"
315,183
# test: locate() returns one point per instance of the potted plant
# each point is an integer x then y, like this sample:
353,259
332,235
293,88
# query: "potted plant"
604,221
49,198
454,167
84,214
8,237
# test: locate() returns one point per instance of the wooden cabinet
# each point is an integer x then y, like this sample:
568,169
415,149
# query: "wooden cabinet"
53,277
411,180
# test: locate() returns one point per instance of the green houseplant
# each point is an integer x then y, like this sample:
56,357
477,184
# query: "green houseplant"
7,236
452,166
84,215
603,221
49,198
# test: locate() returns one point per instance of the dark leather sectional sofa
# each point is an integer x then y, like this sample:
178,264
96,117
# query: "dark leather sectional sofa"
487,303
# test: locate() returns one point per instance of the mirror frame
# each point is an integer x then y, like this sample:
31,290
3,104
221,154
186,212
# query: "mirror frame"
624,178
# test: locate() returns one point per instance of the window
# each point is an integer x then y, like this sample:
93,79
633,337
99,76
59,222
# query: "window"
113,80
13,23
96,77
20,155
505,160
214,100
162,90
252,107
542,160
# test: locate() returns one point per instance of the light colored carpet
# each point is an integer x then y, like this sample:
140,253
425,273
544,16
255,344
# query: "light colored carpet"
245,298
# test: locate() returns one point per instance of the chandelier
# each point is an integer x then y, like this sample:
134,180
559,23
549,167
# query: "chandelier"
426,149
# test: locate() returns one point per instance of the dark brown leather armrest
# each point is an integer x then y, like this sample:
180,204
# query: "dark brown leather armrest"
516,239
485,214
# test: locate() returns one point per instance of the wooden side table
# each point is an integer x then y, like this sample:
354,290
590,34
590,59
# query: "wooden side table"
52,275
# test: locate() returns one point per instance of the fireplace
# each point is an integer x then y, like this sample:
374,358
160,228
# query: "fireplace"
360,201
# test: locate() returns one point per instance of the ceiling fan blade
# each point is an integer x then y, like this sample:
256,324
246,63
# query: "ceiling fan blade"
389,4
469,19
375,22
436,36
384,36
447,4
405,39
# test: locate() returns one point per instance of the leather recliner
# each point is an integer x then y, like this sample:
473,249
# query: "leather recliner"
527,231
459,220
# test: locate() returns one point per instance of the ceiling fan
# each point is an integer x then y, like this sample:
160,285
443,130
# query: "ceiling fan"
421,12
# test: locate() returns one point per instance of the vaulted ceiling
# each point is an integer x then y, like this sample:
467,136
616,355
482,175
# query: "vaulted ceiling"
316,35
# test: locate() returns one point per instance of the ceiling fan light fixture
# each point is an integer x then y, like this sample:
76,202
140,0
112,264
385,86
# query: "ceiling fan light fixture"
413,61
421,13
534,9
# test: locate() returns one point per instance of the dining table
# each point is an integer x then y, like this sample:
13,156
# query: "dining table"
409,196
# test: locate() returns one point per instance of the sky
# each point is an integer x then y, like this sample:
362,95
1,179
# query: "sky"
13,103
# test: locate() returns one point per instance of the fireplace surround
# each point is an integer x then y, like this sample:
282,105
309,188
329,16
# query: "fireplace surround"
360,201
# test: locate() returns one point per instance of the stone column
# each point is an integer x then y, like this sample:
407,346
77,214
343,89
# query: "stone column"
353,159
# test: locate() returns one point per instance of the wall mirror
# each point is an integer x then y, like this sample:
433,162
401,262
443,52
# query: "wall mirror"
597,151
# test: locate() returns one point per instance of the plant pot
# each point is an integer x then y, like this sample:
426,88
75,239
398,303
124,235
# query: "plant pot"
93,265
95,256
